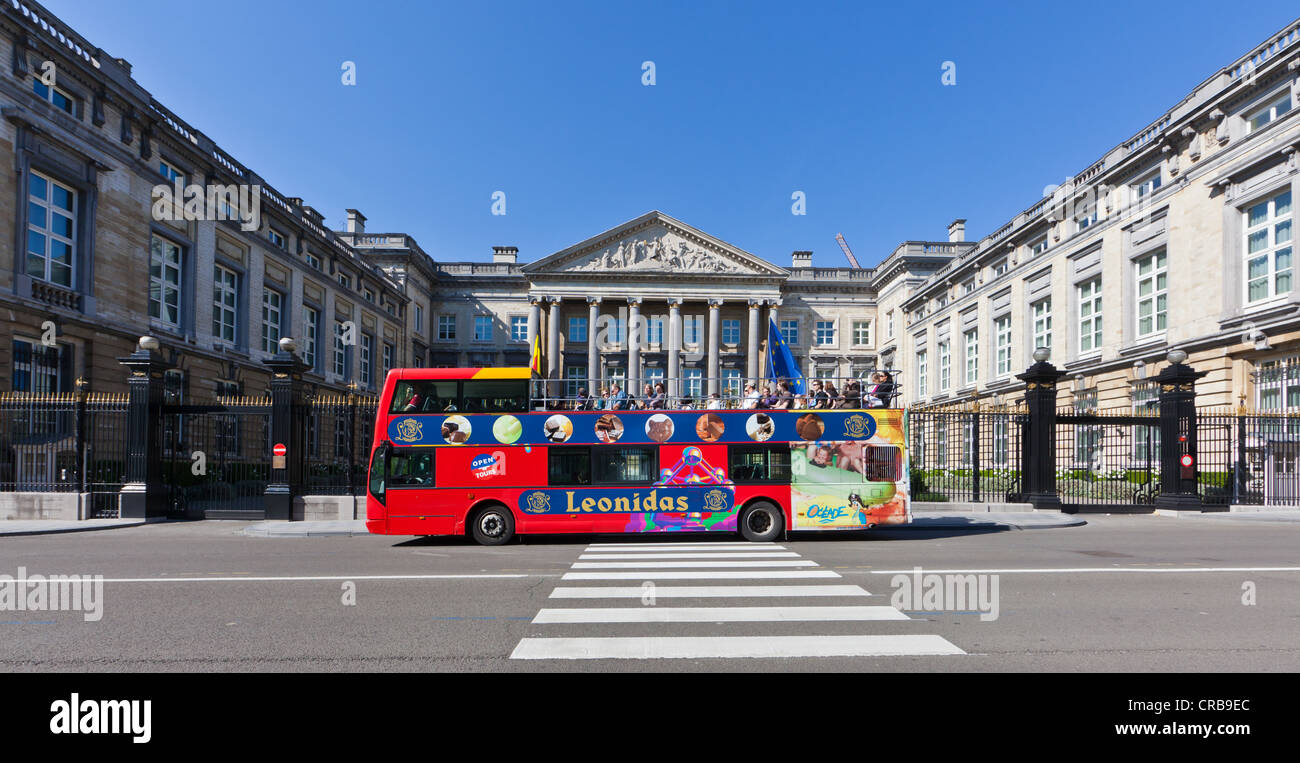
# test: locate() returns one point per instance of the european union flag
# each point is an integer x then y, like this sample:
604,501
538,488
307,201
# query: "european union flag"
781,365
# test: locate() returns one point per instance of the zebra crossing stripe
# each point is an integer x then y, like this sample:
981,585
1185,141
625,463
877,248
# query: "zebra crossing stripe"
717,614
694,555
699,575
701,564
702,545
730,647
709,592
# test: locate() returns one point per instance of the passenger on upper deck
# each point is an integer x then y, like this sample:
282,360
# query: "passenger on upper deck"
618,398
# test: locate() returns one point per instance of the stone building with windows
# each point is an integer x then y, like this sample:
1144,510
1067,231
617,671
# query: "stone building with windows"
1178,237
91,261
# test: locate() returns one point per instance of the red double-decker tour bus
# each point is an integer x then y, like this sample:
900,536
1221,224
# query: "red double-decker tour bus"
474,451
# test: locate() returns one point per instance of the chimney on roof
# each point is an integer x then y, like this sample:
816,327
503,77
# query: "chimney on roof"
356,222
957,231
507,255
801,259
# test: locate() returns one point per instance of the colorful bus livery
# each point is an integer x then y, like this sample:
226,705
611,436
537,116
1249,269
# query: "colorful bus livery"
460,452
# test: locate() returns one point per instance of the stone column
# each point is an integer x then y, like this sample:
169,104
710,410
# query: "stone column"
593,355
674,347
634,336
751,351
772,306
553,349
534,322
714,370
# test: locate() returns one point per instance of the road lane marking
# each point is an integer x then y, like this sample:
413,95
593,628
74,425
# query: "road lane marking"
701,545
717,614
699,555
709,592
928,571
660,565
704,647
700,575
289,578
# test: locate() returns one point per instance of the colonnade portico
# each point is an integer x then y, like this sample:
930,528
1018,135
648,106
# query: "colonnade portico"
632,340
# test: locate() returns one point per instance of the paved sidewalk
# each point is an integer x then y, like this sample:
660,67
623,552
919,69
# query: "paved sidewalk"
315,529
1233,516
43,526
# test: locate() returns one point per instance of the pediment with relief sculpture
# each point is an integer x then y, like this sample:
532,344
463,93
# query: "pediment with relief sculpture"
655,243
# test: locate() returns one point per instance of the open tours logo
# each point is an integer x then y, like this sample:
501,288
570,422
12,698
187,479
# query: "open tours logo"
53,593
950,593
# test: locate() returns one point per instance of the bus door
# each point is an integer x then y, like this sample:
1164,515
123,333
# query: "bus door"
409,483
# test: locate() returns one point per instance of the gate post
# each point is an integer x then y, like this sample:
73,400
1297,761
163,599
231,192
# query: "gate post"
1038,449
1178,434
287,429
144,496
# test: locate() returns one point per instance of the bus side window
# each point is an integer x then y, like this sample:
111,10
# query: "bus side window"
378,470
568,466
882,463
760,463
410,468
495,396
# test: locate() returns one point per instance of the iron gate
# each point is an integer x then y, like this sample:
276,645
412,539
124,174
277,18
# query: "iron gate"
216,458
1107,462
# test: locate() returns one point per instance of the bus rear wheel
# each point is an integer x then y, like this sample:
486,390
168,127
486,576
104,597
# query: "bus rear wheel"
761,522
493,526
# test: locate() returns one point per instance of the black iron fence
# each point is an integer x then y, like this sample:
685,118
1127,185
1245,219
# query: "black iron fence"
965,454
64,443
340,429
1107,458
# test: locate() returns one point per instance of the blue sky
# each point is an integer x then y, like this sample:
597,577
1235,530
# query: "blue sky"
752,102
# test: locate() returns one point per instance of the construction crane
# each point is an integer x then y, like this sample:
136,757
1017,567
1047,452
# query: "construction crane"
847,251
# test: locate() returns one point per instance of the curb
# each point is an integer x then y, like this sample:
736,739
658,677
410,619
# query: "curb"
80,527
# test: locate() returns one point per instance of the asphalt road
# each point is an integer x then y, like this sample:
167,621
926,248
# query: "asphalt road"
1121,593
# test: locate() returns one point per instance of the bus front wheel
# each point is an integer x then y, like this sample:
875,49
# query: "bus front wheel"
761,522
493,525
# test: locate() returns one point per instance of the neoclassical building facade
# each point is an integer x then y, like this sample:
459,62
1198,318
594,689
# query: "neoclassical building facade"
1180,236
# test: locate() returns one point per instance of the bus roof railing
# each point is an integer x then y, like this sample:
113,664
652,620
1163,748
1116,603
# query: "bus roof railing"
714,393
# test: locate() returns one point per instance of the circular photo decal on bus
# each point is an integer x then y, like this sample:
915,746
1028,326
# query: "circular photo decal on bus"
709,427
455,430
659,427
760,427
609,428
810,427
558,428
507,429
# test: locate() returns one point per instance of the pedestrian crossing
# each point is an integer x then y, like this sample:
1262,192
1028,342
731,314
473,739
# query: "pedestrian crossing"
767,572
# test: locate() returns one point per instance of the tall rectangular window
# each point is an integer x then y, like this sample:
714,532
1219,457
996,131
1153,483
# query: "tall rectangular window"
482,328
55,95
388,358
340,350
38,368
419,319
1090,315
577,329
693,383
922,372
1038,247
825,333
446,327
731,386
861,333
575,378
730,331
225,303
1146,439
51,229
1268,248
1042,314
654,328
367,370
272,302
945,366
165,281
310,329
692,328
790,331
972,356
1002,337
1152,299
519,328
889,324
